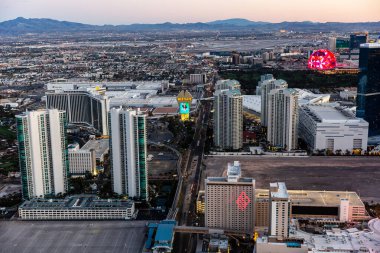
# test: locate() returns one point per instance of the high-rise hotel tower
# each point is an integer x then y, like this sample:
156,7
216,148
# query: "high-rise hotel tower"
128,152
43,153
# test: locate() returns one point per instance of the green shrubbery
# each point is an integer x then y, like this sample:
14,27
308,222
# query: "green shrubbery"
303,79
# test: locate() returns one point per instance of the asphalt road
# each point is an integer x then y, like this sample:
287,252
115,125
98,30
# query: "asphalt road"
186,242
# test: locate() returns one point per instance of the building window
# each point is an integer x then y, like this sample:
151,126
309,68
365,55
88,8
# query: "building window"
357,144
330,144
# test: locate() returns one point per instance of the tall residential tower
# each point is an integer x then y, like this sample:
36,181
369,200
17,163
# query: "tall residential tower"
228,115
283,118
128,152
43,153
267,84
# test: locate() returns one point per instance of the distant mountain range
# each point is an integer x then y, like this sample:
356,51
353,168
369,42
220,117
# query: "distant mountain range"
33,25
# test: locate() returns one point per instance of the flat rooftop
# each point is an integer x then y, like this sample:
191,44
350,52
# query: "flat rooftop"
165,231
139,85
349,240
330,114
72,236
307,97
316,198
225,180
165,110
279,190
252,102
76,202
131,93
330,173
164,234
101,146
153,101
370,45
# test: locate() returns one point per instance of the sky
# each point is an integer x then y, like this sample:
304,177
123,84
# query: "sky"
185,11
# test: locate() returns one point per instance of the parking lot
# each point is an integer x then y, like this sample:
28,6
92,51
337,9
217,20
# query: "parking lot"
360,174
71,236
162,163
7,189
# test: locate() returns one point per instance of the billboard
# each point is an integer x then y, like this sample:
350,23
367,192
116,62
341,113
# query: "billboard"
184,108
184,100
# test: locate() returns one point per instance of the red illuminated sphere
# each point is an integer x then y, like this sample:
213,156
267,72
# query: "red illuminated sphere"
322,59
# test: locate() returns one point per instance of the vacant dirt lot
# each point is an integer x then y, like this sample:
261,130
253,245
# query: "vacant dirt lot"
360,174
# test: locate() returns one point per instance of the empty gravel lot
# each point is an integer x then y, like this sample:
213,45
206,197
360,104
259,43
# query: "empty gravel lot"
360,174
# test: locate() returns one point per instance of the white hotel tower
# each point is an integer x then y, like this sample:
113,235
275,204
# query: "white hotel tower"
128,152
283,118
42,152
228,115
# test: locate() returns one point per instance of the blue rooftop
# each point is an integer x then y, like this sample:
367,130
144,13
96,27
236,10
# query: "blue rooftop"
293,245
164,235
165,231
152,229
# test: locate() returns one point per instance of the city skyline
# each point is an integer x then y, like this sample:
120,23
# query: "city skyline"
117,12
199,126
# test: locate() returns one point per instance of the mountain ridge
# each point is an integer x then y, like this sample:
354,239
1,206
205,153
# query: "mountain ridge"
22,25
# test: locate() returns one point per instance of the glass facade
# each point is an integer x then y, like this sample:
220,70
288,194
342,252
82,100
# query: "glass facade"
128,149
356,40
141,121
22,156
342,43
35,136
368,99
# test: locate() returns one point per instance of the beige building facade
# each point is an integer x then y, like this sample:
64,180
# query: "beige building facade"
230,201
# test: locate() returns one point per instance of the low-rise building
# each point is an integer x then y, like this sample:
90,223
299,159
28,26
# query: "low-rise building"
252,102
348,240
348,94
334,205
80,207
85,159
163,241
198,78
80,161
325,127
201,202
100,147
266,245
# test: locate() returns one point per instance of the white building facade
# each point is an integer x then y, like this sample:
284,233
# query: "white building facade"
43,153
128,148
198,78
267,84
77,207
280,210
81,161
228,117
324,127
282,122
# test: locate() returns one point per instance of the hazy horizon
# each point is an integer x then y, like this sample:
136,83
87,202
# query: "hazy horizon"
195,21
118,12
